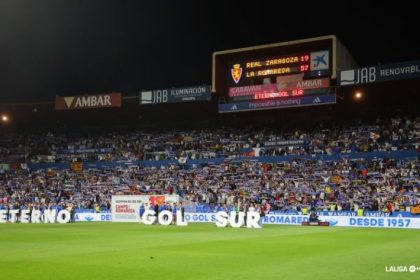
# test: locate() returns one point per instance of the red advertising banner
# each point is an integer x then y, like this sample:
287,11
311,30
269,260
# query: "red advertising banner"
159,199
105,100
281,86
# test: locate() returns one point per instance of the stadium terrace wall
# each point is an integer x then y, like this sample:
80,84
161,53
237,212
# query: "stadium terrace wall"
367,155
93,217
281,219
343,221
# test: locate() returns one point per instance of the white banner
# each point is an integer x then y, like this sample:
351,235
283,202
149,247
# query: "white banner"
92,217
200,217
126,208
337,221
378,222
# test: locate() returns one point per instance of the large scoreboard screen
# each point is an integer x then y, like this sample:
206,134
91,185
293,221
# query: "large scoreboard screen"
264,69
290,74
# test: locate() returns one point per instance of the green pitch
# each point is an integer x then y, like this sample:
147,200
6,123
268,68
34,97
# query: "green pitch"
201,251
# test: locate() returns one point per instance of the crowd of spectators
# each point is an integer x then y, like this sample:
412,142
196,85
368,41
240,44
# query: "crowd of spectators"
378,184
292,185
385,135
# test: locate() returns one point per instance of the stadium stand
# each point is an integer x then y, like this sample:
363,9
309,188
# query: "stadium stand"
231,170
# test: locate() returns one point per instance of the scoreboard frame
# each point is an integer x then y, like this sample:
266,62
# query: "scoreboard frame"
251,67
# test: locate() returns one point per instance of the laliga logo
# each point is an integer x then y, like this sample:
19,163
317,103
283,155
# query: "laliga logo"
166,217
236,72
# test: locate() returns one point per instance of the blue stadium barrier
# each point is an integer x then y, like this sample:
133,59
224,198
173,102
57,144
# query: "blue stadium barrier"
267,159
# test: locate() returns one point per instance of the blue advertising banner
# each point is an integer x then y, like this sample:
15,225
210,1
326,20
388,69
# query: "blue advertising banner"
380,73
368,214
284,143
278,103
175,95
86,151
403,154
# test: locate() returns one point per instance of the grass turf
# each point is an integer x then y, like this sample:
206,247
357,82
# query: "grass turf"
202,251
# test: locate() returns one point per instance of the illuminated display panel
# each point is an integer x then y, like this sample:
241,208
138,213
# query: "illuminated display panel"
283,65
279,94
284,83
279,75
290,93
304,58
254,71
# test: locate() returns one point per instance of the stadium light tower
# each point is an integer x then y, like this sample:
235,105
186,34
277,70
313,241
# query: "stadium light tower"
358,96
4,118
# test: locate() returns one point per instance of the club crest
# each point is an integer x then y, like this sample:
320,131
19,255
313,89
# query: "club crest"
236,72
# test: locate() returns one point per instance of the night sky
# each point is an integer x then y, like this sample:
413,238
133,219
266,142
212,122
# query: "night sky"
73,47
